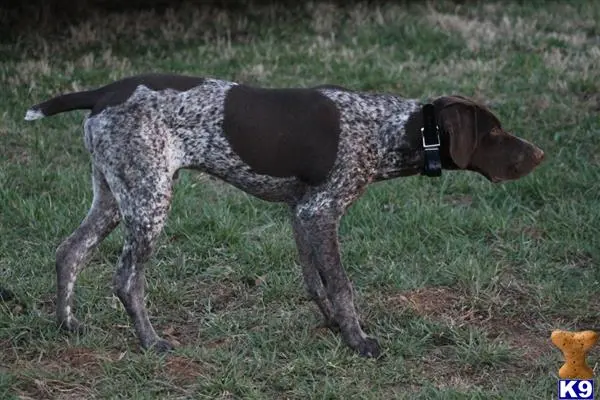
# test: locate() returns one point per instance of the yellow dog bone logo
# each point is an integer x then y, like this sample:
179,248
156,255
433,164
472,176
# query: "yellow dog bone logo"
574,346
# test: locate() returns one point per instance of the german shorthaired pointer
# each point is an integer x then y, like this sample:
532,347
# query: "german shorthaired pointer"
315,149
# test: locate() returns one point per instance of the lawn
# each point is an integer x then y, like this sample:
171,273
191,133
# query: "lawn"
461,280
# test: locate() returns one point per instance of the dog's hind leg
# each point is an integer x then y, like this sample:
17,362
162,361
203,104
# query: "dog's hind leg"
74,251
144,199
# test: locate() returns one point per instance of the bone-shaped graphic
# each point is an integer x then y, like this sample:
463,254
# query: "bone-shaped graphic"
574,346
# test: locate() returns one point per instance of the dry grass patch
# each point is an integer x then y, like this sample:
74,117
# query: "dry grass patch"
28,72
445,374
51,389
582,64
460,310
363,15
257,73
481,32
52,375
84,360
446,366
324,17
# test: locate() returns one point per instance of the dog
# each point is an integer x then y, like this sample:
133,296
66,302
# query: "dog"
315,149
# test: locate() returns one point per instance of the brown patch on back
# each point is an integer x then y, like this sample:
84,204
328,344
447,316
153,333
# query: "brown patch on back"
119,91
283,132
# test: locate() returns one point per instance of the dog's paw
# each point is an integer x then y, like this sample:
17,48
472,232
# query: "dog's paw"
161,346
369,348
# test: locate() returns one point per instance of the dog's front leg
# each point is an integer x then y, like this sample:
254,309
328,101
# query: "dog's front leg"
318,225
312,279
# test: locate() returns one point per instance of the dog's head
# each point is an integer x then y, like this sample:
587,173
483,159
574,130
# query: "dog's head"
478,142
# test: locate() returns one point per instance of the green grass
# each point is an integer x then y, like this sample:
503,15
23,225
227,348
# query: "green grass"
461,280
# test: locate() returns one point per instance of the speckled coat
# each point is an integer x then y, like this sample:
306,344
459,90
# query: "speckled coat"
315,149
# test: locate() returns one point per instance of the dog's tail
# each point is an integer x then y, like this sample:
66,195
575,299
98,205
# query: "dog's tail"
67,102
110,94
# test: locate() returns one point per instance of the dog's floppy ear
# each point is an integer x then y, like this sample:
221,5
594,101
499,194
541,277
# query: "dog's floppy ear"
464,121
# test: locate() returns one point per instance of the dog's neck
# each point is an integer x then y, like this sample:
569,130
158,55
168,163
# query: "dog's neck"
401,146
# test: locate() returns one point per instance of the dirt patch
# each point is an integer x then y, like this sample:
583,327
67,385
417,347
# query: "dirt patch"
220,342
183,371
458,310
80,359
178,333
40,374
87,359
445,374
437,301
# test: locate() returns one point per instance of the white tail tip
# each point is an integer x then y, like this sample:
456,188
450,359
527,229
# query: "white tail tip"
33,114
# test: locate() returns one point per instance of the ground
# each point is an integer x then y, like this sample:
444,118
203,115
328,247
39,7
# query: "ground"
460,279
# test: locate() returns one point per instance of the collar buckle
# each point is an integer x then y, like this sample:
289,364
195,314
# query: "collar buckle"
432,146
430,133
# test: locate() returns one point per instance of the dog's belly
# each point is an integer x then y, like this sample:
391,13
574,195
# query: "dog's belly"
264,187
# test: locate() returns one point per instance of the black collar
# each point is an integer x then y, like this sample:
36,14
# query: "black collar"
431,142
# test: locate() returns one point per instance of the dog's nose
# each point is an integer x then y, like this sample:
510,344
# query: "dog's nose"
538,155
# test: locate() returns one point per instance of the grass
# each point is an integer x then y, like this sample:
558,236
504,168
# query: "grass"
461,280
